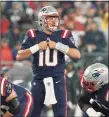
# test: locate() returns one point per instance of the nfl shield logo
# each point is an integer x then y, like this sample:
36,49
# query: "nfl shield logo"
48,83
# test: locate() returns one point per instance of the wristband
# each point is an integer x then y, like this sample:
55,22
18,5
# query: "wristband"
34,49
62,47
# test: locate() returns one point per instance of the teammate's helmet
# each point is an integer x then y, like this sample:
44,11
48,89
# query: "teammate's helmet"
95,76
46,12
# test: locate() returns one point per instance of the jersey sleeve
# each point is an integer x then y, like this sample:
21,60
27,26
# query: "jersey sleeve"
68,39
103,105
6,88
28,39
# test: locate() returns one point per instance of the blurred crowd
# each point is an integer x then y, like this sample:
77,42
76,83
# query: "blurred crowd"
88,22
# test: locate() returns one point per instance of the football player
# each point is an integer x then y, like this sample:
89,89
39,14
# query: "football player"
95,98
15,100
48,47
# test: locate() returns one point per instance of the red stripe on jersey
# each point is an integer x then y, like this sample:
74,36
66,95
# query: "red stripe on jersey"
65,34
32,33
107,96
28,105
68,32
3,87
63,31
29,33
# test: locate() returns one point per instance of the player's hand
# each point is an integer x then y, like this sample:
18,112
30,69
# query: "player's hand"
92,113
42,45
51,44
98,114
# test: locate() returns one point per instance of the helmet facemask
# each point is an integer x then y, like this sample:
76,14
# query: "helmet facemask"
51,22
89,86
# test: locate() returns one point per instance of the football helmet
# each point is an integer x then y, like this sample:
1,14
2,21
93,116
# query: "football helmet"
44,14
94,77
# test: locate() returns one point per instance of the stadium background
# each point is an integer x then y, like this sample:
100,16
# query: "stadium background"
88,22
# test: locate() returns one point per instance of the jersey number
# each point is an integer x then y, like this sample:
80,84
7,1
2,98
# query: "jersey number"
46,56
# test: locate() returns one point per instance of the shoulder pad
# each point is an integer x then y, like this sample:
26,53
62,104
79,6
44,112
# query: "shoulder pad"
32,32
65,33
3,86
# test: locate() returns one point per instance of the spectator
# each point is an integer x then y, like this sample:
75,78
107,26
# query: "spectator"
60,10
32,5
67,4
105,22
15,14
98,4
91,11
79,17
94,39
8,6
99,18
83,5
105,25
5,23
16,49
6,52
88,23
71,23
14,35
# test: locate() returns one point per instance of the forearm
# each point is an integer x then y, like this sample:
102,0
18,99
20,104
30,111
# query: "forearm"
74,53
71,52
103,106
23,54
84,106
8,114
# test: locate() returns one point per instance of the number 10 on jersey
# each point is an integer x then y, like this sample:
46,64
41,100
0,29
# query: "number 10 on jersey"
45,56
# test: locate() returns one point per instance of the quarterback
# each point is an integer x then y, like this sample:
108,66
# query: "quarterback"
48,47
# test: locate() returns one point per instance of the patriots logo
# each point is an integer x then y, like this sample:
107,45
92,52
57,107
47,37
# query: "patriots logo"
96,74
72,40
